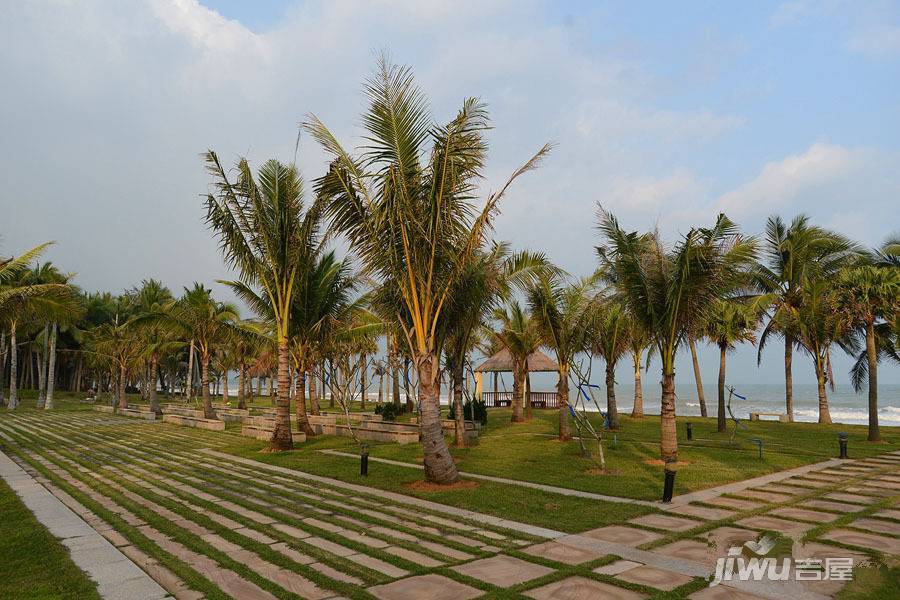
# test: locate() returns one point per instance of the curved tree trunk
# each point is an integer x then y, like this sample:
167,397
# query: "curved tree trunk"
189,382
51,368
242,390
439,465
208,411
612,409
637,411
154,374
789,377
395,386
698,380
458,375
226,393
872,357
302,422
13,368
518,402
281,435
410,403
824,413
313,390
42,369
668,444
2,368
123,382
721,422
562,397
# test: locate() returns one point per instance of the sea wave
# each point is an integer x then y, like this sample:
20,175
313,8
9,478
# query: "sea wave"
887,414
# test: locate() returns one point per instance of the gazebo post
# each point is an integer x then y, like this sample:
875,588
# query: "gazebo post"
479,384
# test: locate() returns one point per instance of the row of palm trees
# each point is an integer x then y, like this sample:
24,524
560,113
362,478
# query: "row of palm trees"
427,276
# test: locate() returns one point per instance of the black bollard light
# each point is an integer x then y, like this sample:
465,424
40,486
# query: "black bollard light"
690,431
842,440
669,483
364,460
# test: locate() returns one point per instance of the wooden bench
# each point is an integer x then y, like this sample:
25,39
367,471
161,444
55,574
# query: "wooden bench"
138,412
198,422
755,416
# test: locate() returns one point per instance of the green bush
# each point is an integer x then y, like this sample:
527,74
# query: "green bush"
388,411
479,407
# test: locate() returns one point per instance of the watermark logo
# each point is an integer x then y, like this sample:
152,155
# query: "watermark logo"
735,566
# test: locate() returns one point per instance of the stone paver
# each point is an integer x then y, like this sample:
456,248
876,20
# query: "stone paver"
614,568
722,592
665,522
502,570
767,523
723,538
823,551
702,512
653,577
802,514
842,507
782,488
736,503
765,496
888,514
425,587
877,525
619,534
853,498
581,588
116,575
688,550
569,555
864,540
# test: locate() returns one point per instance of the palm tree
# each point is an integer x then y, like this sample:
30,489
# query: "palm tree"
669,292
730,323
406,206
870,295
639,341
792,255
611,330
208,323
265,234
21,299
518,334
151,302
563,314
819,325
698,379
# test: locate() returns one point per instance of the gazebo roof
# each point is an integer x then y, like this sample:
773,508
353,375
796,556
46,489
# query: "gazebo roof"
503,361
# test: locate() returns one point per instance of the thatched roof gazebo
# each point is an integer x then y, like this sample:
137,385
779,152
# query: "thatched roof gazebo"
502,362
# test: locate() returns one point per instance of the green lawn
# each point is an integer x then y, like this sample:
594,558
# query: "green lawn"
35,565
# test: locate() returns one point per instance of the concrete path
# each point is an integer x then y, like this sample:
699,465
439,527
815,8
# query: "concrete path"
117,577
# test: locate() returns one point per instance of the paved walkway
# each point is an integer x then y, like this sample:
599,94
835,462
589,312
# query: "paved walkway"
117,577
207,521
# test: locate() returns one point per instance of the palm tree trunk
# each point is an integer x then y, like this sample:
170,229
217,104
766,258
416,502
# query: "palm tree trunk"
42,369
458,375
189,382
51,368
313,390
302,422
380,387
363,370
668,444
123,400
334,385
529,409
562,397
208,412
518,403
2,368
637,411
13,368
439,465
154,375
789,377
698,380
872,356
226,393
281,436
395,383
612,410
410,403
824,413
721,423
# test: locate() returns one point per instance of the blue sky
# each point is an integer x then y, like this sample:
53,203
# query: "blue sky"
664,112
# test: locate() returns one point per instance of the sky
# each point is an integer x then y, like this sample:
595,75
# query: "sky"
666,113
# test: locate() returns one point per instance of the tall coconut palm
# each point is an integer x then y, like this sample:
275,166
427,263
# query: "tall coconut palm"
698,378
22,299
870,295
151,303
207,322
730,323
563,312
266,235
792,255
518,334
407,206
671,291
611,329
640,342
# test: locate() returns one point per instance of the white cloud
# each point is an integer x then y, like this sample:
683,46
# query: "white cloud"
876,41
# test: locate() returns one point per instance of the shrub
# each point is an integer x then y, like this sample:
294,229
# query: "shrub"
472,404
387,411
